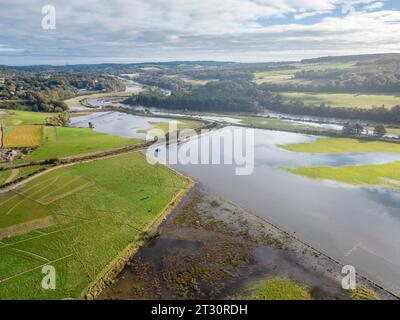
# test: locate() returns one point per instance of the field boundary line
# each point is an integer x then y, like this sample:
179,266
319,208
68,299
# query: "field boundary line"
28,226
53,232
113,269
52,180
16,194
12,208
14,173
35,268
30,254
64,194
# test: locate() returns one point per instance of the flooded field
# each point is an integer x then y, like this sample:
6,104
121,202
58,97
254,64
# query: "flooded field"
354,225
211,249
117,123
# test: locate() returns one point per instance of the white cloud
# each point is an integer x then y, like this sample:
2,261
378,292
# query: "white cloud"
374,6
207,29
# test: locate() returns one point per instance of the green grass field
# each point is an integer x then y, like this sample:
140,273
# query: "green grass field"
15,174
99,208
393,131
273,124
277,289
383,174
287,75
62,142
4,174
343,145
17,118
77,101
364,101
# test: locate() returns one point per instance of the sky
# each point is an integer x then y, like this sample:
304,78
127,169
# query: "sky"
126,31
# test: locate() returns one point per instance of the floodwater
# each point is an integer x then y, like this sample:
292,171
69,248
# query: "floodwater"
359,226
356,226
117,123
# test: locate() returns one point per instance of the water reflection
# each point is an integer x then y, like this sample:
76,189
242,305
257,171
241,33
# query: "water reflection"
358,226
117,123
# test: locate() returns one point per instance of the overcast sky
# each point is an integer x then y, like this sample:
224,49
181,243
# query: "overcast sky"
97,31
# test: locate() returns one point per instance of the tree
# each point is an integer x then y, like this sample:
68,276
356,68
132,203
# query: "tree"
379,130
358,129
60,120
352,129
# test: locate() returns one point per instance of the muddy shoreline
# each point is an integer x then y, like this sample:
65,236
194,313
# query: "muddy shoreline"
210,248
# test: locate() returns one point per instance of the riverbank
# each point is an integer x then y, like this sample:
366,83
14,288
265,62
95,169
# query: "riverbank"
210,248
108,275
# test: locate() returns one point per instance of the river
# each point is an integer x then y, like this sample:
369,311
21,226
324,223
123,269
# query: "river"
359,226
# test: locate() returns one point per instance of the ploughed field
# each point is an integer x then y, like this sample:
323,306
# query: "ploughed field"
78,219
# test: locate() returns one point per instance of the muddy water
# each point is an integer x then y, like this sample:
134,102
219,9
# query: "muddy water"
357,226
117,123
210,249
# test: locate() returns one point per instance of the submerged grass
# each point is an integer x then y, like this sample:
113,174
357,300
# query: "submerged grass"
277,289
363,293
181,125
382,174
342,145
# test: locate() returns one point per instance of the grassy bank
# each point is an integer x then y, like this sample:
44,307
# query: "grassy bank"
273,124
383,174
181,125
343,145
79,100
99,208
277,289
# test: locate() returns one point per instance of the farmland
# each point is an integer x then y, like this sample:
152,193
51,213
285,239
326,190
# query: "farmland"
16,117
7,176
25,136
78,101
287,75
96,215
363,101
343,145
62,142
